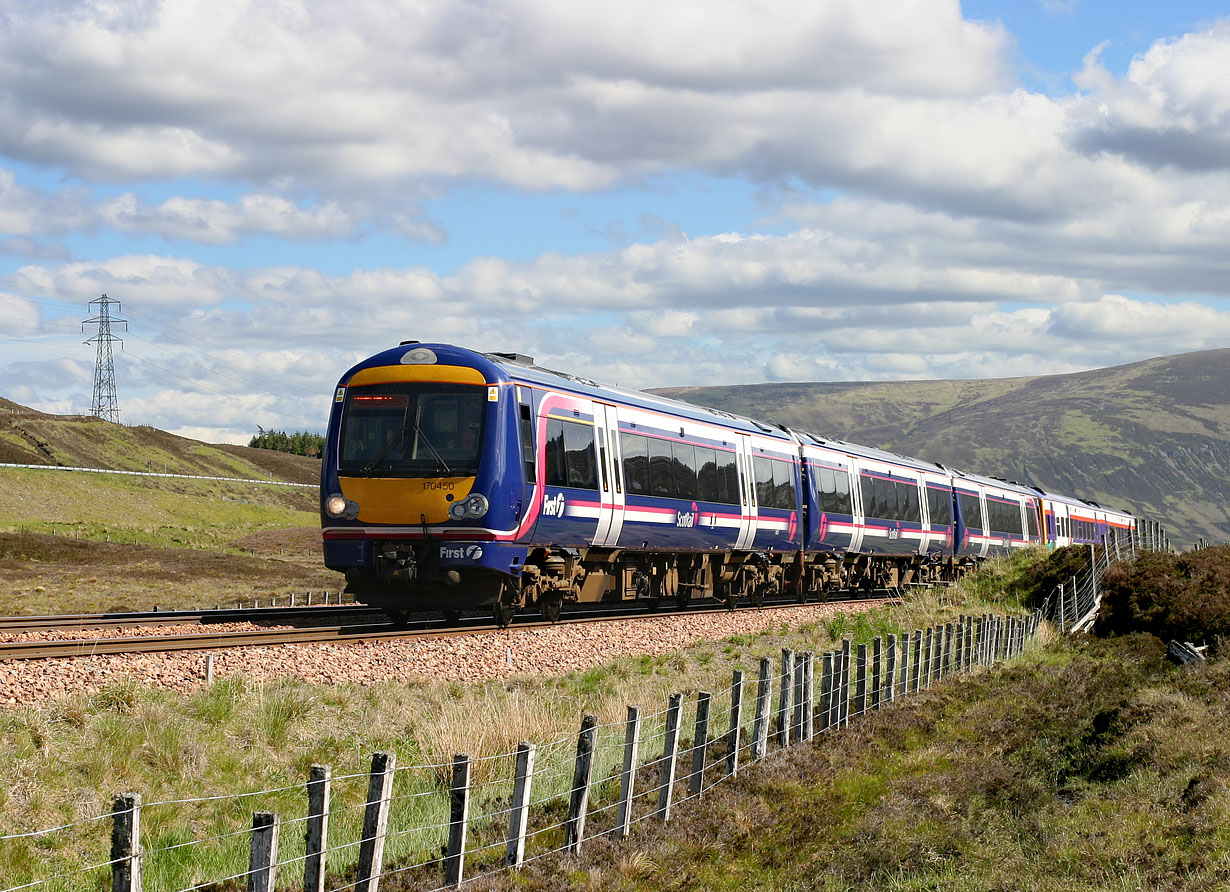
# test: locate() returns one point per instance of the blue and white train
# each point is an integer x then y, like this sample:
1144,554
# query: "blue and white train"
456,480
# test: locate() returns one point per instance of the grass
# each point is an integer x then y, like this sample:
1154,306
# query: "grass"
1088,765
62,762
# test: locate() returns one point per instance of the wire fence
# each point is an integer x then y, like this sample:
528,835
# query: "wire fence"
439,825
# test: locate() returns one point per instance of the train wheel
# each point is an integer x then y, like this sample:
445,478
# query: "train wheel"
550,605
503,615
452,617
682,599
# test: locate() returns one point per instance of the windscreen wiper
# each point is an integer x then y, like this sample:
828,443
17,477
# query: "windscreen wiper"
432,449
380,456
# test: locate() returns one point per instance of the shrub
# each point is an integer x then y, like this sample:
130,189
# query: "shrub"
1038,580
1184,596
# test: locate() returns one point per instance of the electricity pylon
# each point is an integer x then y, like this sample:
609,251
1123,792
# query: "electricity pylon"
104,404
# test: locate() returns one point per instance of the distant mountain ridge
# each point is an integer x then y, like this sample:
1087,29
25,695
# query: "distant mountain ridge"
1152,437
31,437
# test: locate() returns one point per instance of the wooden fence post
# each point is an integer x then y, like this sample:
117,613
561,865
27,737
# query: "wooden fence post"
263,858
375,822
860,682
578,805
458,821
800,681
700,742
764,694
843,705
826,692
809,695
670,754
876,657
916,662
627,779
519,810
126,843
890,670
317,836
736,724
784,698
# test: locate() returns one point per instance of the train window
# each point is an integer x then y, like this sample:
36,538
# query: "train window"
971,510
763,469
783,485
579,455
910,507
602,459
661,475
939,506
841,502
1031,518
826,487
875,498
728,478
527,443
707,475
636,463
684,470
412,430
555,473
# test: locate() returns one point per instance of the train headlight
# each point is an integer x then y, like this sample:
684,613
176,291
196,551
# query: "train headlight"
337,505
475,505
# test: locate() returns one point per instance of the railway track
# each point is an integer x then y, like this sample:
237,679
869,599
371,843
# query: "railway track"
328,633
96,621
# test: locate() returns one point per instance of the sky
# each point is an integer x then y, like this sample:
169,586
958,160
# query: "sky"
646,194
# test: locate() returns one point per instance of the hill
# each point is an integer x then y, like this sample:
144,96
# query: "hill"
31,437
1152,437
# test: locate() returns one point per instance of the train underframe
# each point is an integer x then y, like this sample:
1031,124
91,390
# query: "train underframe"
553,577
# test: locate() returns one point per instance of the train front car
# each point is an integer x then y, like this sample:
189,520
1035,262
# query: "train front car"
419,503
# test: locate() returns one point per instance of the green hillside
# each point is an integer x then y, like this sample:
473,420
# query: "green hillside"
1152,437
30,437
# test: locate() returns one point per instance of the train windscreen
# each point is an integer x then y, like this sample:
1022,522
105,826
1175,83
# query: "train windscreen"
412,430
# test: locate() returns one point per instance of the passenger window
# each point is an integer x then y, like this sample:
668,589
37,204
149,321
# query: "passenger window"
636,463
555,473
764,481
842,503
707,475
527,443
685,470
579,455
728,478
661,475
783,485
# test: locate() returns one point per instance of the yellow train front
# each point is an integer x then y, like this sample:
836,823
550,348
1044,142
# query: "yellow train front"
420,505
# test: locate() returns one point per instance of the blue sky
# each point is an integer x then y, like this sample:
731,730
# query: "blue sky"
718,192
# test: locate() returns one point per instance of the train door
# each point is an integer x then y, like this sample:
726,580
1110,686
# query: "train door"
611,496
747,493
859,519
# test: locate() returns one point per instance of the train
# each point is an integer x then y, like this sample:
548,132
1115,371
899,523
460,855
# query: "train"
457,481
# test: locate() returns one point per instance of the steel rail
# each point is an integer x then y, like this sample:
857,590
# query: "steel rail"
41,649
21,624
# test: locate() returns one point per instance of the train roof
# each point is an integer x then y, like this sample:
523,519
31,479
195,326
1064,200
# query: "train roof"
521,367
856,449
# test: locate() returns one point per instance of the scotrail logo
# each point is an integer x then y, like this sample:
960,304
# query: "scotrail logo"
461,552
687,519
554,507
